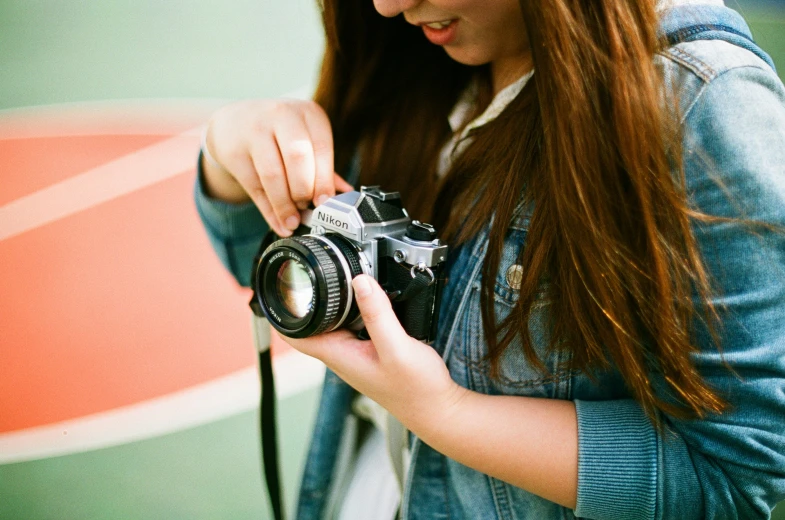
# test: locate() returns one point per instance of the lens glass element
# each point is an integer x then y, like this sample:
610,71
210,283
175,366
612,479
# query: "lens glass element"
294,289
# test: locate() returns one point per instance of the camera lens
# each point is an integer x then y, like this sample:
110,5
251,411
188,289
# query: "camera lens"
293,288
304,284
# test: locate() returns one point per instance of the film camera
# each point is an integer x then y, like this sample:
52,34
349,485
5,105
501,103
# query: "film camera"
302,284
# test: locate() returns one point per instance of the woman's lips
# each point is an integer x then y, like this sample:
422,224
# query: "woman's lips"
440,33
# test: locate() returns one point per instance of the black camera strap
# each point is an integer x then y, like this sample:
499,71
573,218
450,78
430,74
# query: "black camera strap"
420,281
267,418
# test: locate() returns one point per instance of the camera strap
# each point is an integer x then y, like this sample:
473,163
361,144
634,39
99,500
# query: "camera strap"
267,422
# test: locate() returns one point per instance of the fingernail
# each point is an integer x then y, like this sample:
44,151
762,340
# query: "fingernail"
361,286
292,222
321,199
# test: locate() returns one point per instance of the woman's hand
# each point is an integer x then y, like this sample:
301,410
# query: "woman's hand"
529,442
278,153
405,376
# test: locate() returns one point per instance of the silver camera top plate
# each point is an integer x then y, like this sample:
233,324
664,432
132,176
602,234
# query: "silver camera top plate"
340,214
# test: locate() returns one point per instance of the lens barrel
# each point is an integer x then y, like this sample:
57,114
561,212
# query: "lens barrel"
304,284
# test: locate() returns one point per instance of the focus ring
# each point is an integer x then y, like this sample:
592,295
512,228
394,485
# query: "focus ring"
333,286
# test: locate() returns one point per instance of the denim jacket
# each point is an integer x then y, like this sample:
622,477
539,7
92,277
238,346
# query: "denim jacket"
729,466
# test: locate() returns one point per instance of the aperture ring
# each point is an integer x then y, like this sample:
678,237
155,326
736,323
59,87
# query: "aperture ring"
344,261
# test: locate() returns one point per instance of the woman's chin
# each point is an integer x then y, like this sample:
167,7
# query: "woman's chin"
465,56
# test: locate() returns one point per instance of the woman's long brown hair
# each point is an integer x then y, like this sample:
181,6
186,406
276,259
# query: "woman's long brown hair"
591,144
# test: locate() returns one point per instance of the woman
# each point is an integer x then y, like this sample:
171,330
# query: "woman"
609,176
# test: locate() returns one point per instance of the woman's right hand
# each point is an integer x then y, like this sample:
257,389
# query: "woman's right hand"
277,153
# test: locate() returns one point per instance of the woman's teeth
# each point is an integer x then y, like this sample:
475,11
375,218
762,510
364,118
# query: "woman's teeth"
439,25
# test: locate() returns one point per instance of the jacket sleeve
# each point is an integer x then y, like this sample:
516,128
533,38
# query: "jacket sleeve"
235,231
731,465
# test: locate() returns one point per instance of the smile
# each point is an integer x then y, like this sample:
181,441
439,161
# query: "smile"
442,32
439,25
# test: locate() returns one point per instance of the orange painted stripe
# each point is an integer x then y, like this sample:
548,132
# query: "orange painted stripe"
121,299
113,305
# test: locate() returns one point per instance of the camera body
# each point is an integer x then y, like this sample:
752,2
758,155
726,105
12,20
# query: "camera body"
302,284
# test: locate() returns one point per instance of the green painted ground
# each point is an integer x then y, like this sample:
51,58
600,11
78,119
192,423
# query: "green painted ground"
54,51
210,473
769,32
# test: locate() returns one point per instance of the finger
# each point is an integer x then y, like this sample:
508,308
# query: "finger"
322,140
249,181
341,351
320,346
294,142
272,177
380,321
269,215
341,185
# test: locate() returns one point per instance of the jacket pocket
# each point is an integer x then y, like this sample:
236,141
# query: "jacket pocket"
517,375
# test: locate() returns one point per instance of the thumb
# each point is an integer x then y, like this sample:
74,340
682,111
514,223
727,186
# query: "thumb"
380,321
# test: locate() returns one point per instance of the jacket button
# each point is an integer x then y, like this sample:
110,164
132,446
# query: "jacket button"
514,276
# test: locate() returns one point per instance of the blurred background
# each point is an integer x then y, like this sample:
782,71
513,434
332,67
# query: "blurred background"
127,371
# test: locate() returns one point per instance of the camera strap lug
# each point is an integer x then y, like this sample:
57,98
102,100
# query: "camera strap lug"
422,268
421,280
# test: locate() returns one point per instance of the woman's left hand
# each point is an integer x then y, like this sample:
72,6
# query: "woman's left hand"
529,442
405,376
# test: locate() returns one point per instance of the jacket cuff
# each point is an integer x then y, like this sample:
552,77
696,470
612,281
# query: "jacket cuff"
617,461
227,221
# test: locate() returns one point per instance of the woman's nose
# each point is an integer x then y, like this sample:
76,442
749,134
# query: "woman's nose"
391,8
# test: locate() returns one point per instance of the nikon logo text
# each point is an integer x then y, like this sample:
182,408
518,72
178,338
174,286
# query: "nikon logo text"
329,219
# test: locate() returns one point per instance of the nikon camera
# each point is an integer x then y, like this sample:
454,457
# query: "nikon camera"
302,284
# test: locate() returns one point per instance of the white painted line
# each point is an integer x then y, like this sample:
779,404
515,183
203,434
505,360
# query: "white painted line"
202,404
129,173
115,117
